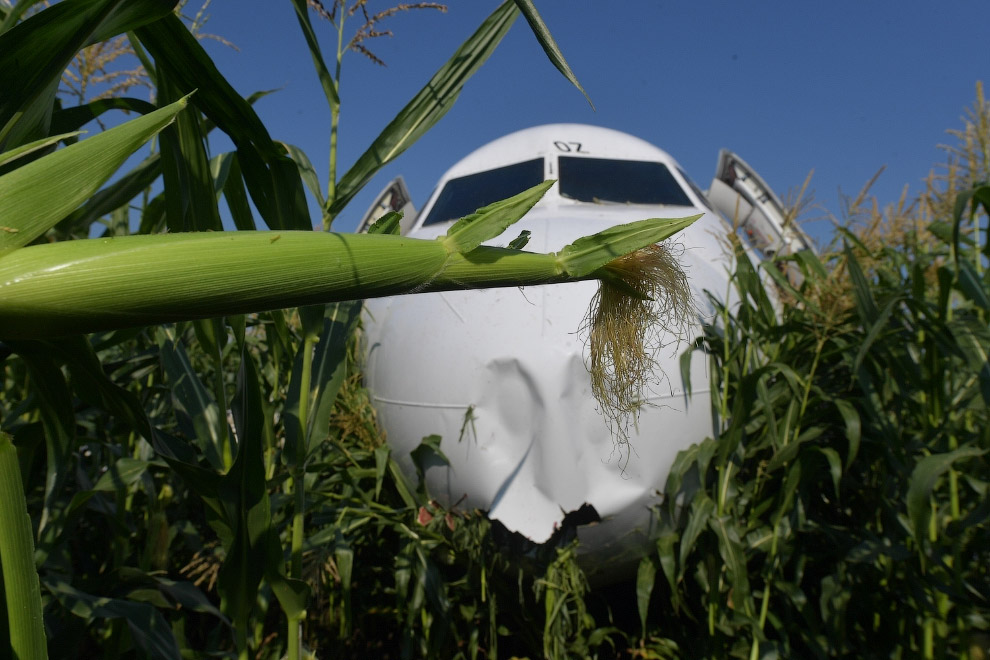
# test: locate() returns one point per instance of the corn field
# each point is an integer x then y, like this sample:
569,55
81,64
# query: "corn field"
190,465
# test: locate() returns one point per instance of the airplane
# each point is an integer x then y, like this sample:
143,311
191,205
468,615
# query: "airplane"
500,374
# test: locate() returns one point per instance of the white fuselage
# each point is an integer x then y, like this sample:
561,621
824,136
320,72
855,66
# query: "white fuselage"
500,374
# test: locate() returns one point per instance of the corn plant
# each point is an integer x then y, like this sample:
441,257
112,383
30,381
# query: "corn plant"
842,507
172,457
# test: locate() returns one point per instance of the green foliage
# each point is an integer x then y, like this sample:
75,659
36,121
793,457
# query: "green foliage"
215,487
218,488
842,507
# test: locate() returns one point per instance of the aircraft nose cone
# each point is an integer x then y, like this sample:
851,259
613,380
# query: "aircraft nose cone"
500,375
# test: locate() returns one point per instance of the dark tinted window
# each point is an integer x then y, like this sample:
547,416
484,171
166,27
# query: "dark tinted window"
465,195
619,181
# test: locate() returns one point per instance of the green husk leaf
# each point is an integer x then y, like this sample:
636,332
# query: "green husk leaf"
112,197
490,221
35,197
37,145
387,224
590,253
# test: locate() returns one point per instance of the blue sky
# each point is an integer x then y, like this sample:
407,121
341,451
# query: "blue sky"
841,87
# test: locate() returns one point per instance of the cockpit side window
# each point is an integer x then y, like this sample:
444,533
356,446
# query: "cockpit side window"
619,182
465,195
697,191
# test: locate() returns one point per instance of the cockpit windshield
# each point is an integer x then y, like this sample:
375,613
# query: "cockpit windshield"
619,182
465,195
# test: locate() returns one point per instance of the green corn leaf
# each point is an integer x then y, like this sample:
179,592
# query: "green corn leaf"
329,368
702,509
387,224
876,326
244,493
55,410
668,562
14,14
273,179
751,286
236,195
922,483
770,268
198,415
549,45
733,555
490,221
91,384
190,200
114,196
646,576
973,339
71,119
810,263
31,147
853,428
306,171
972,285
344,556
426,455
35,197
182,459
962,202
23,611
149,629
427,107
153,216
863,295
29,75
381,465
322,72
588,254
834,466
123,473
